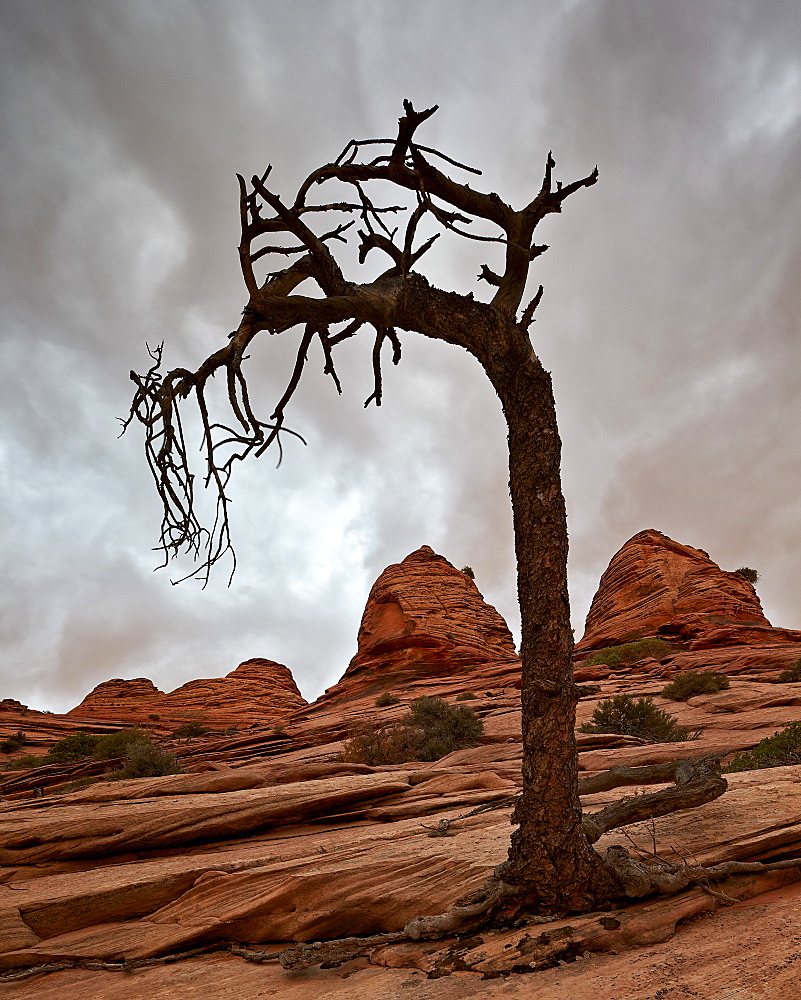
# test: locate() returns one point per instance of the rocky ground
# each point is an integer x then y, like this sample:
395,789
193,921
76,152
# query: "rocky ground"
269,839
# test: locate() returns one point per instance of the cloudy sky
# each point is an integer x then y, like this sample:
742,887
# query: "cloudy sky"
670,319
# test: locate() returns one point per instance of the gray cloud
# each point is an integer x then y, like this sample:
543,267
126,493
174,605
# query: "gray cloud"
669,319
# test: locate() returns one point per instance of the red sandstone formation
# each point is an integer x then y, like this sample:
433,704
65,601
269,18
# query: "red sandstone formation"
257,691
425,618
654,585
270,837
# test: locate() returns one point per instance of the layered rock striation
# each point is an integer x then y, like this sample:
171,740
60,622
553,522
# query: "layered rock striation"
259,690
655,585
425,618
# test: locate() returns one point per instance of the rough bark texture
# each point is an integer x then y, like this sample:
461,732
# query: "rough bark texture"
549,857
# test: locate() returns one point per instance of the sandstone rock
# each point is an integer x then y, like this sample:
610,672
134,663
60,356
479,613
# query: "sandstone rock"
424,618
257,691
653,582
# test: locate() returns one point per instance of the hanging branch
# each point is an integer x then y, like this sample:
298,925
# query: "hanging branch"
275,306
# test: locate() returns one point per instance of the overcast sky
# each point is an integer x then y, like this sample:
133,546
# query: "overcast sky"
670,319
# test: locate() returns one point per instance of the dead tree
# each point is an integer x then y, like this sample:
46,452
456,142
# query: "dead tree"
552,865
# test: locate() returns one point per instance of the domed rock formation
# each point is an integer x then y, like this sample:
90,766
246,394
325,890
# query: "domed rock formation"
655,585
425,618
257,691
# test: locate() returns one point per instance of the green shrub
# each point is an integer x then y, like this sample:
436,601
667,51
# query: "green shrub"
146,760
386,698
694,682
750,574
791,674
629,717
430,729
73,747
466,696
154,717
15,742
468,571
773,751
189,729
27,762
116,744
629,652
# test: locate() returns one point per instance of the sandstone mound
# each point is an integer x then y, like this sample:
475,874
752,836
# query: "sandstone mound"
270,838
425,618
258,690
655,585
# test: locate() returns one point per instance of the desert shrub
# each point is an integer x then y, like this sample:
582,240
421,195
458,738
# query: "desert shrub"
635,717
116,744
375,744
629,652
791,674
73,747
15,742
694,682
146,760
279,731
466,696
430,729
445,727
750,574
154,716
386,698
189,729
28,761
773,751
468,571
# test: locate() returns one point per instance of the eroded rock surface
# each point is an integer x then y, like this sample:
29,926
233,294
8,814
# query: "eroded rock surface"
425,618
653,583
271,838
258,690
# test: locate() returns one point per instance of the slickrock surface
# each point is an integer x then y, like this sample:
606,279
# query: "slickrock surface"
652,583
425,618
270,838
257,691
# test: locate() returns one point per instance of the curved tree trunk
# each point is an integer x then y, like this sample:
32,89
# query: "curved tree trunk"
549,856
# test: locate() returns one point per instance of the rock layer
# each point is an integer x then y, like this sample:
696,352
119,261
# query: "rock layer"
424,618
653,584
257,691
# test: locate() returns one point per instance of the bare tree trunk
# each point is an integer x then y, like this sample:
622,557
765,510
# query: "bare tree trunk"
549,856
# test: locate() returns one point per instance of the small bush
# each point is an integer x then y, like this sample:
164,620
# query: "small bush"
468,571
773,751
629,717
466,696
791,674
154,717
279,731
116,744
146,760
750,574
189,729
73,747
385,699
430,729
694,682
13,743
27,762
629,652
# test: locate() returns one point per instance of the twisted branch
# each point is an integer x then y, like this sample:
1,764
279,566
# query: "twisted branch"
274,305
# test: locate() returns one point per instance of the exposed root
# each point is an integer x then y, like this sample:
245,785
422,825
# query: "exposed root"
99,964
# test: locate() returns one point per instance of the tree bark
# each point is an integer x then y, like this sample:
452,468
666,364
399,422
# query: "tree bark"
550,858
